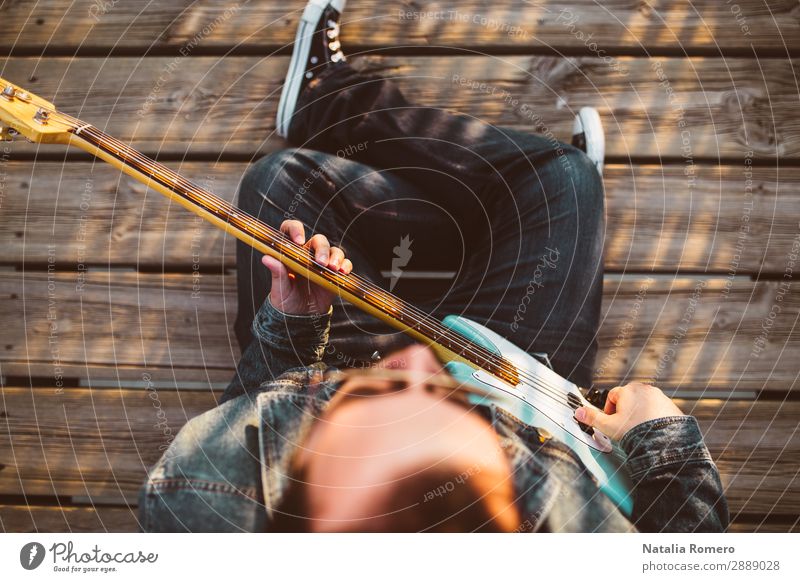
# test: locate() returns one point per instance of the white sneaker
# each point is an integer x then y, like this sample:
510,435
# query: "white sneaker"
588,136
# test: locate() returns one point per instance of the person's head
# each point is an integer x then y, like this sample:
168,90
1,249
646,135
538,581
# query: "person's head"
392,454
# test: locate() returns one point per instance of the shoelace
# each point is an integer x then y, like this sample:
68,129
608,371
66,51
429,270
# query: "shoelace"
334,44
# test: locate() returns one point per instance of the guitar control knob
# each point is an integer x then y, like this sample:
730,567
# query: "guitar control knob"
575,402
597,397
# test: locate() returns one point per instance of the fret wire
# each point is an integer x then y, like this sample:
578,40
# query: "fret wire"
243,218
155,169
436,330
443,332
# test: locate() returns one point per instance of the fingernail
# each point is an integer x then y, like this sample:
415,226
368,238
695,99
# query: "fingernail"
580,414
323,258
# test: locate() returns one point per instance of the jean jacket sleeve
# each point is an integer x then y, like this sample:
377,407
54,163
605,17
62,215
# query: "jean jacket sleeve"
677,487
281,342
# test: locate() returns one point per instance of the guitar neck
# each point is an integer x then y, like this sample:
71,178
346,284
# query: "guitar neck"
354,289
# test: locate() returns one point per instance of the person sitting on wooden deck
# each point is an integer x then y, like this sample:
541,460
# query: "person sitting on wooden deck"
520,219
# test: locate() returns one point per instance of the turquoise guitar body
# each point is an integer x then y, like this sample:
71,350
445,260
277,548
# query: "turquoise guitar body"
535,406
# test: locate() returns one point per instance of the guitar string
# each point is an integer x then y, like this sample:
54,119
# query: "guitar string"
281,241
421,323
424,320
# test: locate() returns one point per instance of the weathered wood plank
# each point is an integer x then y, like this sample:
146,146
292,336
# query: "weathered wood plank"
160,326
67,518
724,334
88,442
756,446
97,216
690,334
146,25
759,526
685,108
100,442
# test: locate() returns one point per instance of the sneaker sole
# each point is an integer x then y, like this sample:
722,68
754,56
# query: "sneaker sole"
302,46
588,122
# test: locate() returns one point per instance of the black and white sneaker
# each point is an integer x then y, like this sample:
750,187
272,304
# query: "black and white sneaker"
587,135
316,45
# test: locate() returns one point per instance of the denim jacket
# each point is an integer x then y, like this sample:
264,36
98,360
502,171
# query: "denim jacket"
227,469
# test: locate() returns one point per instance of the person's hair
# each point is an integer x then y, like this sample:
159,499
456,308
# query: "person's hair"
434,500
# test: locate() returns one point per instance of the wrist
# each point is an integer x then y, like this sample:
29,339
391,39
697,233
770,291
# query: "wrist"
299,338
288,312
298,308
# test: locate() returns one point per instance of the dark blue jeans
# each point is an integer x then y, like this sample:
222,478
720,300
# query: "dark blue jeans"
518,217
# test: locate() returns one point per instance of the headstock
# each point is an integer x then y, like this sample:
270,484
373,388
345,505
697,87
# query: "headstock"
26,114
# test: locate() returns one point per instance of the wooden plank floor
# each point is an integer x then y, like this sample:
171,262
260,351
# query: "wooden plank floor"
655,224
139,25
728,108
121,325
699,102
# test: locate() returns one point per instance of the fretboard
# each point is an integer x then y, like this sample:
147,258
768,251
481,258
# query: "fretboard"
351,287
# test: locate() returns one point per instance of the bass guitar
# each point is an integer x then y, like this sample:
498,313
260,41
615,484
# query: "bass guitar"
514,379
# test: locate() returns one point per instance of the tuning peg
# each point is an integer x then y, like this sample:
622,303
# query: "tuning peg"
8,133
42,116
8,92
